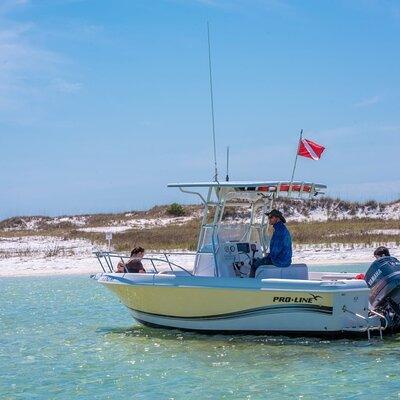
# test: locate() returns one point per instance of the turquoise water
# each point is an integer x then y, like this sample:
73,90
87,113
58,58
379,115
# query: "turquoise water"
69,338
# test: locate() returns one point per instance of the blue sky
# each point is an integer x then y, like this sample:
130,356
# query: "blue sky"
103,103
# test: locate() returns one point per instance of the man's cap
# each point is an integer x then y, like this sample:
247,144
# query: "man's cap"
276,213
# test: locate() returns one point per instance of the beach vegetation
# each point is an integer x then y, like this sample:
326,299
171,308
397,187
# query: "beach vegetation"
175,210
340,223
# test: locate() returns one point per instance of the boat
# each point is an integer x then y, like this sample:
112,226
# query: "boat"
214,293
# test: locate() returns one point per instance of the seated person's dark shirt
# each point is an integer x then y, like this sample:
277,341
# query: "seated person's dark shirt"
134,266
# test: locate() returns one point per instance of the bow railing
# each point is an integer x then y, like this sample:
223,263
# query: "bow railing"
160,262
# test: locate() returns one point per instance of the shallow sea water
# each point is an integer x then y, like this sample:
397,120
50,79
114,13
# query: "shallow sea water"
69,338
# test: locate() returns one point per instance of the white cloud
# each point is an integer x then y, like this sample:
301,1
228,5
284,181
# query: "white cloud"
30,73
24,70
9,5
357,130
369,101
67,87
387,7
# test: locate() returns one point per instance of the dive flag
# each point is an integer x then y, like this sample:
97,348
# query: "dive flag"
310,149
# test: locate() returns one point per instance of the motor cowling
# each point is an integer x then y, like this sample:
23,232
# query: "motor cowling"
383,277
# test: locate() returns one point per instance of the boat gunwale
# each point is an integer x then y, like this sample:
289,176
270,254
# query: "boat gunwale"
331,286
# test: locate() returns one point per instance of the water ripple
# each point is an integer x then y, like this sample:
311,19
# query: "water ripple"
65,337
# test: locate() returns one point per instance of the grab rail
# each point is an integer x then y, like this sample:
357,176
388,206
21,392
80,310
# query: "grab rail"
106,258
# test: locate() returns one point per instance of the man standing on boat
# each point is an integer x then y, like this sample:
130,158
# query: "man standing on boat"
280,247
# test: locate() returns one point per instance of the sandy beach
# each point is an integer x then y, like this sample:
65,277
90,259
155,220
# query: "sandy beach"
34,256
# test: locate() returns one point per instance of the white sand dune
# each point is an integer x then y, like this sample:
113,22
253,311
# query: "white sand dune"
27,256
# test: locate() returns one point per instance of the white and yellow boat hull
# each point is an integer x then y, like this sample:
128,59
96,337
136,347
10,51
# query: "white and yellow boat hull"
237,305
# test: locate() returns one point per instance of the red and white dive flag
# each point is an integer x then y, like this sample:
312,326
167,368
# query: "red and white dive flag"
310,149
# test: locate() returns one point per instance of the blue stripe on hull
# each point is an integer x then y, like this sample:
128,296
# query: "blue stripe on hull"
251,312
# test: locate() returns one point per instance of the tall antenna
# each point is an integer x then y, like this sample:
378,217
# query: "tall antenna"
212,103
227,164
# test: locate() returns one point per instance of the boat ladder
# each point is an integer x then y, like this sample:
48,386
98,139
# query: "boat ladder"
370,328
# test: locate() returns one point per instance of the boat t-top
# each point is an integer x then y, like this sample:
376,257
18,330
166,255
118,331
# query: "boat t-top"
214,293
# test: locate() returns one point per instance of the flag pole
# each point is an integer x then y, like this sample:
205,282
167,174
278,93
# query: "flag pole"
295,161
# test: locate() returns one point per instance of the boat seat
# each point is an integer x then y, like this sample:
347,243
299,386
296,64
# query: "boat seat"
295,271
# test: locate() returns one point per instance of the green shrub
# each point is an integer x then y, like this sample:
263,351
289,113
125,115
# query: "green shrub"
372,204
176,210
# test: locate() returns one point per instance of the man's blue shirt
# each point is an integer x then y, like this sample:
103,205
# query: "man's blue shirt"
280,247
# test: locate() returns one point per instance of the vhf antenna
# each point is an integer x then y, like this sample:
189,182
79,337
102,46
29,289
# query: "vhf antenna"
227,164
212,103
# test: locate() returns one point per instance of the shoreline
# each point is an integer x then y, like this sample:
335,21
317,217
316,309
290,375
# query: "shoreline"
85,266
76,257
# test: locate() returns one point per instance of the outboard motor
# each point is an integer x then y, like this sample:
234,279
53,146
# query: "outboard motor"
383,277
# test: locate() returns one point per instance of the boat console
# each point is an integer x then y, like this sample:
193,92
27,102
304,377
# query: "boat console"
235,258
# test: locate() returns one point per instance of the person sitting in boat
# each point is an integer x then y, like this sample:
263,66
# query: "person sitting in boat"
280,247
381,251
134,265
